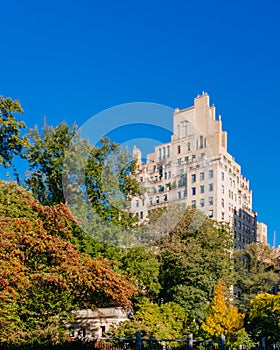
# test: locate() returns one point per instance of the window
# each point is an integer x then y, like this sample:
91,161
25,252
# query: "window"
210,213
202,202
193,191
141,178
211,187
187,159
178,149
201,176
103,329
223,215
211,201
150,200
178,195
193,203
193,177
211,174
223,203
202,189
159,153
157,199
202,155
164,154
223,175
193,157
137,203
141,215
223,189
168,151
180,183
185,193
189,146
165,197
179,161
201,142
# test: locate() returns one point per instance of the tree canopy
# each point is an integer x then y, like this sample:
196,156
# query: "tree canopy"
264,318
151,320
223,317
11,143
257,272
194,257
45,156
43,276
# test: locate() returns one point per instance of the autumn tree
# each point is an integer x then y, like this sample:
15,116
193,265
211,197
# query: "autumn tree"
194,257
223,317
11,142
43,276
257,272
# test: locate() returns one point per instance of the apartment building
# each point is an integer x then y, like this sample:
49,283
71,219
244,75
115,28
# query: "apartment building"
196,169
262,233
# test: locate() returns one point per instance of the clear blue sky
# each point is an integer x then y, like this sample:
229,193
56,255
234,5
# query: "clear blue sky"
69,60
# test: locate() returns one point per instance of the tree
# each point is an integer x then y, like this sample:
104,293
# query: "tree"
10,141
257,272
96,182
223,318
264,318
194,257
45,156
43,276
167,321
110,184
141,264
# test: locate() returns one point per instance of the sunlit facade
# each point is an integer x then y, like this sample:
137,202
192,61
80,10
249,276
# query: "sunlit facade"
196,169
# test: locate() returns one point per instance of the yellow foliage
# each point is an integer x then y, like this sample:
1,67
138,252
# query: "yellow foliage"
223,318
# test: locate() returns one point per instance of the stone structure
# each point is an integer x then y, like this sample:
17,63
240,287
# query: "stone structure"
90,324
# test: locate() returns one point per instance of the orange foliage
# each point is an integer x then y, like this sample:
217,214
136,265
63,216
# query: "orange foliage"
32,256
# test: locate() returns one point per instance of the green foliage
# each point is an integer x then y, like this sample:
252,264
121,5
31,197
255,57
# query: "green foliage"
165,321
257,271
95,182
10,141
194,257
142,266
110,183
45,156
264,318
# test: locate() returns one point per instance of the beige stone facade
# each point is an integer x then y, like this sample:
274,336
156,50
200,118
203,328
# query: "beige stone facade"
90,324
262,233
195,168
